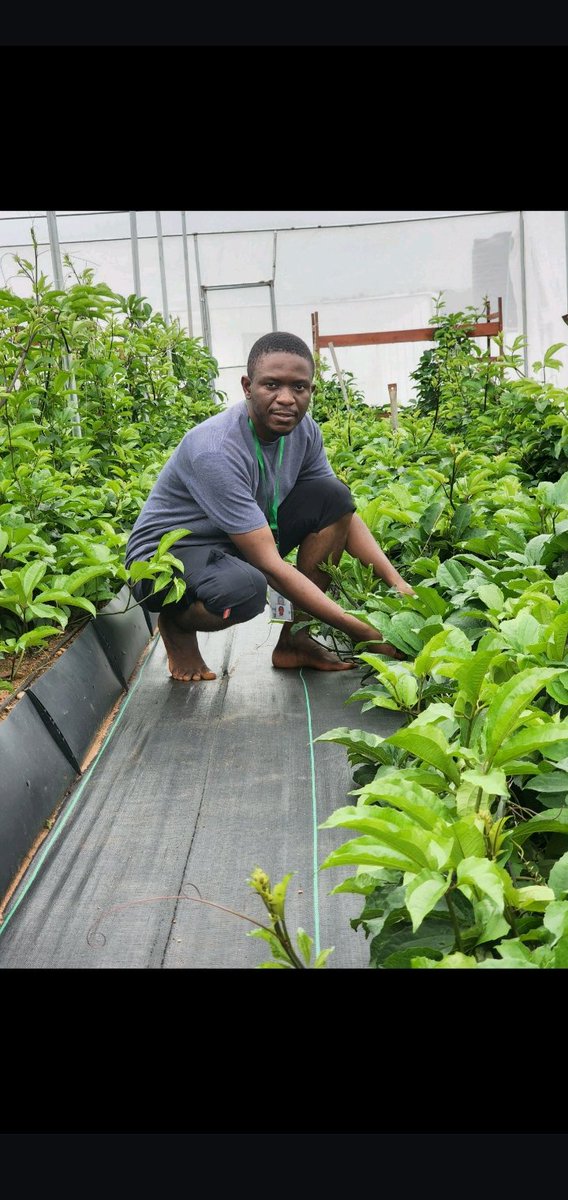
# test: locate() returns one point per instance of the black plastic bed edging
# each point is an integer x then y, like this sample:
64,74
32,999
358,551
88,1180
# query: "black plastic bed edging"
76,694
35,776
123,633
45,737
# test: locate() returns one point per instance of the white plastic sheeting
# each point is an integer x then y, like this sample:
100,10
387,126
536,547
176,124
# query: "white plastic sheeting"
361,271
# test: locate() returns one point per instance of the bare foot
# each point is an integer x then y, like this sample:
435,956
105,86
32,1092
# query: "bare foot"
300,650
184,659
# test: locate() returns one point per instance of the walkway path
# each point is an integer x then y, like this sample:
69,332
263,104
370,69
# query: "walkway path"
195,785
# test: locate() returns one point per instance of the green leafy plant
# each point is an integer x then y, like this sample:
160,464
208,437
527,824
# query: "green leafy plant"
95,392
284,954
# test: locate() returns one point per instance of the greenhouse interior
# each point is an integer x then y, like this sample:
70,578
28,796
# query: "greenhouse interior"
328,732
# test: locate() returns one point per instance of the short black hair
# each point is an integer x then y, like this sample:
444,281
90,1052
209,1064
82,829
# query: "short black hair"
270,343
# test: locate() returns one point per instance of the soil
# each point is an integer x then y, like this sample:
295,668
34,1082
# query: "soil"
33,664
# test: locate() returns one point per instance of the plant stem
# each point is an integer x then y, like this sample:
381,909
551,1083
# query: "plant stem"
454,921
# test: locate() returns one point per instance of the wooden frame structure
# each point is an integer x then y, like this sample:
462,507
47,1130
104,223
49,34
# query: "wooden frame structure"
488,328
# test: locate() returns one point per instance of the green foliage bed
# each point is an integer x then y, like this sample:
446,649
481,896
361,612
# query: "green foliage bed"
95,392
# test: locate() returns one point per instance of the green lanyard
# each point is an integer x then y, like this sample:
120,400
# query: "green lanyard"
273,506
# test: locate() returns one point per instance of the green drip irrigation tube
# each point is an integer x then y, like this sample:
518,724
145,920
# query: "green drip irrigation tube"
314,818
62,820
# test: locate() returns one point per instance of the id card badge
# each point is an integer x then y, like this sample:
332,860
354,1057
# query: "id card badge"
281,609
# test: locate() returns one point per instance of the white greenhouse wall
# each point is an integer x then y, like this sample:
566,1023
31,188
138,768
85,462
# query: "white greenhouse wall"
361,271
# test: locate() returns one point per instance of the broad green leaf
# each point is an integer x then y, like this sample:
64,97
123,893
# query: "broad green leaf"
534,548
407,689
431,599
35,636
276,966
523,632
532,738
451,575
99,553
430,516
404,629
403,793
558,877
322,958
30,578
496,964
470,840
141,570
489,920
389,671
361,884
47,612
305,942
555,782
560,586
430,780
554,821
358,741
84,575
561,954
557,632
427,743
450,646
396,944
175,535
81,602
476,875
513,950
466,798
534,898
492,596
372,819
447,963
369,851
176,591
461,520
279,894
494,783
162,580
558,689
556,919
520,766
423,893
510,701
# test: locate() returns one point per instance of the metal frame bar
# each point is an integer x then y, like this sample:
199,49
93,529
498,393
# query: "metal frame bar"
135,256
165,313
523,291
186,273
59,283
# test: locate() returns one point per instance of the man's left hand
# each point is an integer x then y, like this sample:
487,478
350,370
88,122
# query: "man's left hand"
404,589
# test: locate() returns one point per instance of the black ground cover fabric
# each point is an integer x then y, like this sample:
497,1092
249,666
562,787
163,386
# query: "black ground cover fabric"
195,786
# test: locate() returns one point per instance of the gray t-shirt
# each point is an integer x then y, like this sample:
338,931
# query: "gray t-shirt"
212,483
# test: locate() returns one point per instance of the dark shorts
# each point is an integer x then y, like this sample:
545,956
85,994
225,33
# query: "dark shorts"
222,579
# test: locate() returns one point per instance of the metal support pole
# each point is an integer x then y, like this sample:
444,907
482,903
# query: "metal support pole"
272,283
566,255
135,258
66,358
205,328
186,269
162,269
523,291
55,250
205,331
393,398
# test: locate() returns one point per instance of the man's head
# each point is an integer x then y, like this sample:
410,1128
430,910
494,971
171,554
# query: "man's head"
271,342
279,384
